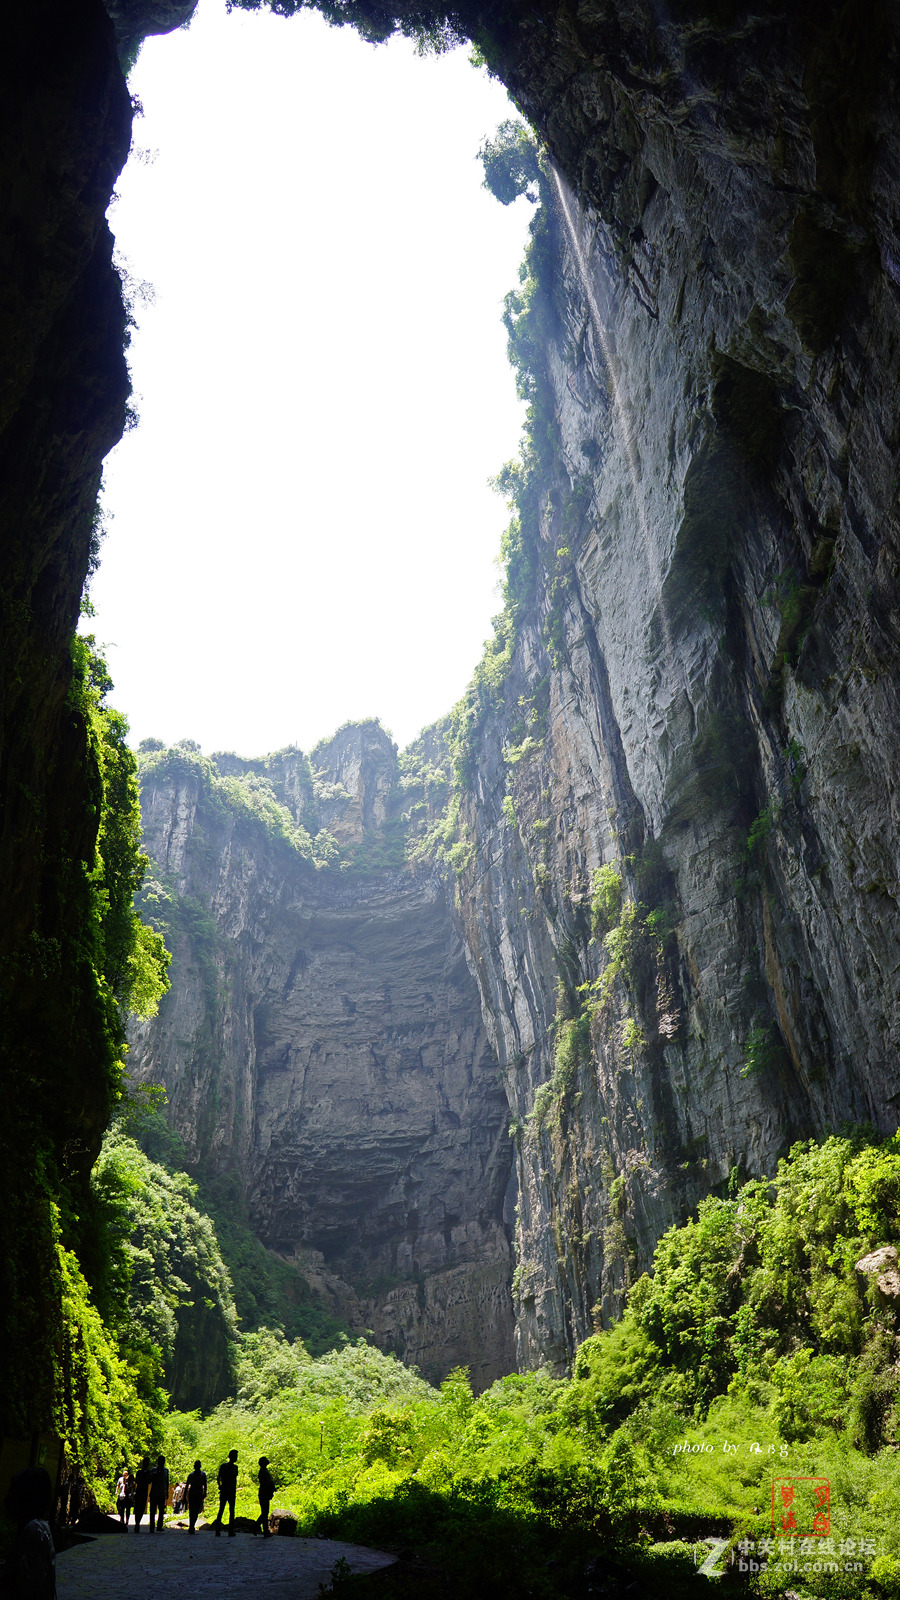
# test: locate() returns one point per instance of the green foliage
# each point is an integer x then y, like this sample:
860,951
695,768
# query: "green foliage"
247,800
613,1373
133,958
446,841
483,695
510,162
514,754
267,1364
573,1049
761,1278
625,1472
622,944
796,760
130,958
105,1412
307,1415
84,965
425,766
560,587
753,1329
573,1046
322,745
179,1297
269,1294
760,830
388,1436
811,1393
606,899
762,1050
381,851
634,936
687,1307
873,1189
632,1036
433,30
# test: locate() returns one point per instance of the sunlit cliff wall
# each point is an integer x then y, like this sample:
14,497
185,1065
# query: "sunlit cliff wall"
709,666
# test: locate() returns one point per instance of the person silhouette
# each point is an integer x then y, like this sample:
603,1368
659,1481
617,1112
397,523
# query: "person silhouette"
266,1491
141,1491
226,1478
31,1566
159,1493
124,1490
196,1494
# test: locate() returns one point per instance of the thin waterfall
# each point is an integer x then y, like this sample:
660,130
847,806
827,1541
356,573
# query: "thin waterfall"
623,422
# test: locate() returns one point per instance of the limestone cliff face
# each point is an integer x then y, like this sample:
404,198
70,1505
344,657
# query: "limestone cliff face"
324,1038
708,663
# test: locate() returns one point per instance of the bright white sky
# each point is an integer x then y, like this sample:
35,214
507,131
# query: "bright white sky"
301,527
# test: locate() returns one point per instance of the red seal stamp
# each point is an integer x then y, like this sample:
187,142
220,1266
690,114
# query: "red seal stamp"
801,1506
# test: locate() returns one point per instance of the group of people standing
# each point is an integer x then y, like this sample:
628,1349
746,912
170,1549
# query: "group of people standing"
149,1487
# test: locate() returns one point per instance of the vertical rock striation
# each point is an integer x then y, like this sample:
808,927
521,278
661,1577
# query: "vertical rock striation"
323,1038
707,655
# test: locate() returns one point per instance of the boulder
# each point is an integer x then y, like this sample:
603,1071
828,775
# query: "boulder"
883,1266
282,1522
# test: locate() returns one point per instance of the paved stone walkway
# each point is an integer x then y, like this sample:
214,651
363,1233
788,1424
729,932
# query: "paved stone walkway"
174,1564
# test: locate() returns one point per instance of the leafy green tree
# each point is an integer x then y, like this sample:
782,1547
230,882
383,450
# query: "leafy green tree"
179,1302
267,1365
129,957
510,161
82,963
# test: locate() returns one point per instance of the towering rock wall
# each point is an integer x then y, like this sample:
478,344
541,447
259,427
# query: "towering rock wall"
66,122
323,1038
703,691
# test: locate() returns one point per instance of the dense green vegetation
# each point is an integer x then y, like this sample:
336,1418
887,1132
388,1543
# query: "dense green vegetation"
267,1292
174,1306
754,1350
76,981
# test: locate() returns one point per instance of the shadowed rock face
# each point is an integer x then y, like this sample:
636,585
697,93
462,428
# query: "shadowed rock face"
327,1042
66,122
136,20
714,651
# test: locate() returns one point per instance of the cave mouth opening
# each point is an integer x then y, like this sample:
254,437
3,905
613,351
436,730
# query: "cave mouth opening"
302,524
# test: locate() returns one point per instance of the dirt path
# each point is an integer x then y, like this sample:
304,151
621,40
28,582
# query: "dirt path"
172,1564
